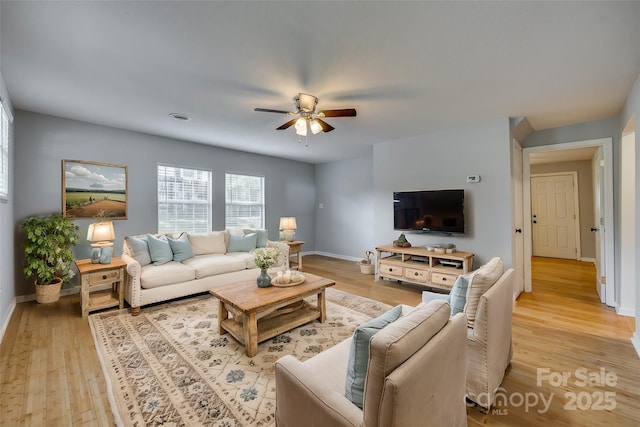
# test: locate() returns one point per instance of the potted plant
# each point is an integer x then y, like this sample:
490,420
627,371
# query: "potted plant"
366,267
47,253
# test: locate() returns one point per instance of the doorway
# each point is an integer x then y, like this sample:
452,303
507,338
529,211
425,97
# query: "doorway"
554,215
605,185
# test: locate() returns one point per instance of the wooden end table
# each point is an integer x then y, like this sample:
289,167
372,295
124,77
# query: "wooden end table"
295,248
92,275
258,314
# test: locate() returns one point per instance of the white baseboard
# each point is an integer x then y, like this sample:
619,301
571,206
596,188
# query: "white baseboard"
344,257
63,292
592,260
635,340
5,324
626,311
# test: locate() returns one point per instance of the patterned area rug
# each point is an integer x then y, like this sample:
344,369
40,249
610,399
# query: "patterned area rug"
169,366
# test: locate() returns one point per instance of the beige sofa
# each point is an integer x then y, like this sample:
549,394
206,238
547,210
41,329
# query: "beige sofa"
211,265
415,377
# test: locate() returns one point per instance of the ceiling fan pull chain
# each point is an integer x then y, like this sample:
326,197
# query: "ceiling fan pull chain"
306,141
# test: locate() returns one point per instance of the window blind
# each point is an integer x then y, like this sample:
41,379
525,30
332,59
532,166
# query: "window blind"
184,199
244,201
4,152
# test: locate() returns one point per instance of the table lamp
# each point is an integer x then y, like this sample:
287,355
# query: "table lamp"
101,235
288,228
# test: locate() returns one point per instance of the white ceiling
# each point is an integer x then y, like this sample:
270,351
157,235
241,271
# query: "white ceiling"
409,68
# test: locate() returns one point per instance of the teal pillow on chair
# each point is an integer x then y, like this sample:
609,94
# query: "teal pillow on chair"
359,354
159,250
245,243
458,294
181,248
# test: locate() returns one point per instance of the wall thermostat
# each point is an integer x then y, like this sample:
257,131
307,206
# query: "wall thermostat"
473,178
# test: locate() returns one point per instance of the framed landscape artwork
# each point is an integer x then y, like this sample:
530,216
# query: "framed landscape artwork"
94,190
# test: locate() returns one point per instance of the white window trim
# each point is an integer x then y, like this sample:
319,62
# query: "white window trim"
209,203
261,204
5,150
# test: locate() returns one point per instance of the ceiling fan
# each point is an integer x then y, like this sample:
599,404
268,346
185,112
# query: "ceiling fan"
309,119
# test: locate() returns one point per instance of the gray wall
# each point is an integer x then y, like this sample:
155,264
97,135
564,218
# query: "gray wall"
43,141
7,290
443,160
585,196
344,225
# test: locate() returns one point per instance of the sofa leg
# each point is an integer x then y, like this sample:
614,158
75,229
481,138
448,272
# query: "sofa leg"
135,311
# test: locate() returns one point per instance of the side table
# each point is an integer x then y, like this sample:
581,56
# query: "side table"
92,275
295,248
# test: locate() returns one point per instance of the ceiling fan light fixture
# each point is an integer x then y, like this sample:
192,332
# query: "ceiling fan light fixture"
315,126
301,126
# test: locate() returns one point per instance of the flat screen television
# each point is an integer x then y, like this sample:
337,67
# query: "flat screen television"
440,211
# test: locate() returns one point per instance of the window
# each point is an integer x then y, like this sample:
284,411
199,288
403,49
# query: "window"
4,152
244,195
184,199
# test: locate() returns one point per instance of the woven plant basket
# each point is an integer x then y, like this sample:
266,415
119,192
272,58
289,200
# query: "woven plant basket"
366,268
48,293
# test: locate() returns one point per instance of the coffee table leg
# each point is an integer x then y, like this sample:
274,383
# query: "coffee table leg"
322,305
222,315
250,326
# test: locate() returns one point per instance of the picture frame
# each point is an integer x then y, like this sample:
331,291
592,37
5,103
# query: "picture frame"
94,190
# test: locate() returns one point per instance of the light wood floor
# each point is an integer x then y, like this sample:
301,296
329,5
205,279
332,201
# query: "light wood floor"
50,374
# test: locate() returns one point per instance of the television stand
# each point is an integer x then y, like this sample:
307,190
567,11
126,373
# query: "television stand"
430,269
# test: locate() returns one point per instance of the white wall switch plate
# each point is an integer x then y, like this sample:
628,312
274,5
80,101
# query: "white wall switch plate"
473,178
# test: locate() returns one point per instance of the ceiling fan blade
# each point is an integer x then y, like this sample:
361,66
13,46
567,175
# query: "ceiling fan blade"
345,112
286,125
268,110
326,127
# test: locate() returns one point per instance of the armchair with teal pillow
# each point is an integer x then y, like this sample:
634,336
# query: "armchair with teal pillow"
457,297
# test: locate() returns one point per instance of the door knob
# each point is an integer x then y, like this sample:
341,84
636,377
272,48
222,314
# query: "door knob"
594,229
518,230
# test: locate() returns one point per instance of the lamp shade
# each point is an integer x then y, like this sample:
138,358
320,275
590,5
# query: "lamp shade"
288,223
101,232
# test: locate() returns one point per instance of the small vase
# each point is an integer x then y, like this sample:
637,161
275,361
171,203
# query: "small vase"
263,280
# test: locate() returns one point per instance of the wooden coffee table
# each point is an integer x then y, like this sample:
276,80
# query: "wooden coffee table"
252,314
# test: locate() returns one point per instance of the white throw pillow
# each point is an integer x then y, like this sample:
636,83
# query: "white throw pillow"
483,278
212,242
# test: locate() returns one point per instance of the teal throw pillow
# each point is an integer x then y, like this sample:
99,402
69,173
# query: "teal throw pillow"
458,294
139,249
359,354
181,248
159,250
245,243
262,236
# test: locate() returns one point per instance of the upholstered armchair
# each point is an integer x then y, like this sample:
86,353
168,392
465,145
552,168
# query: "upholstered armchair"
485,296
415,377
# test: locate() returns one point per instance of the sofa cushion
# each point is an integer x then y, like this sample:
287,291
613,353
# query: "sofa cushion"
139,249
153,276
359,354
244,243
159,250
247,257
181,248
396,343
483,278
209,265
458,294
212,242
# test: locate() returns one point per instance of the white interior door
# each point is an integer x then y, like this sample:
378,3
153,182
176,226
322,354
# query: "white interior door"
598,227
518,218
554,216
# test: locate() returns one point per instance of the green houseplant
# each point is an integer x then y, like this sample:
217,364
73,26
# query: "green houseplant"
47,253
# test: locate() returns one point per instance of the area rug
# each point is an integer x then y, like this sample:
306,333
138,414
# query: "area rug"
169,366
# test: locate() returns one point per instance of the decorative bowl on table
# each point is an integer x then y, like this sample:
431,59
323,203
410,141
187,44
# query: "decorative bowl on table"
282,282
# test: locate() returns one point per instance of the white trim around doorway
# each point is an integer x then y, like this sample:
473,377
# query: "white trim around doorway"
607,147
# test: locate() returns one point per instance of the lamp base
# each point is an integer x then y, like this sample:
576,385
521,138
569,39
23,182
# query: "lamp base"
289,235
101,252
